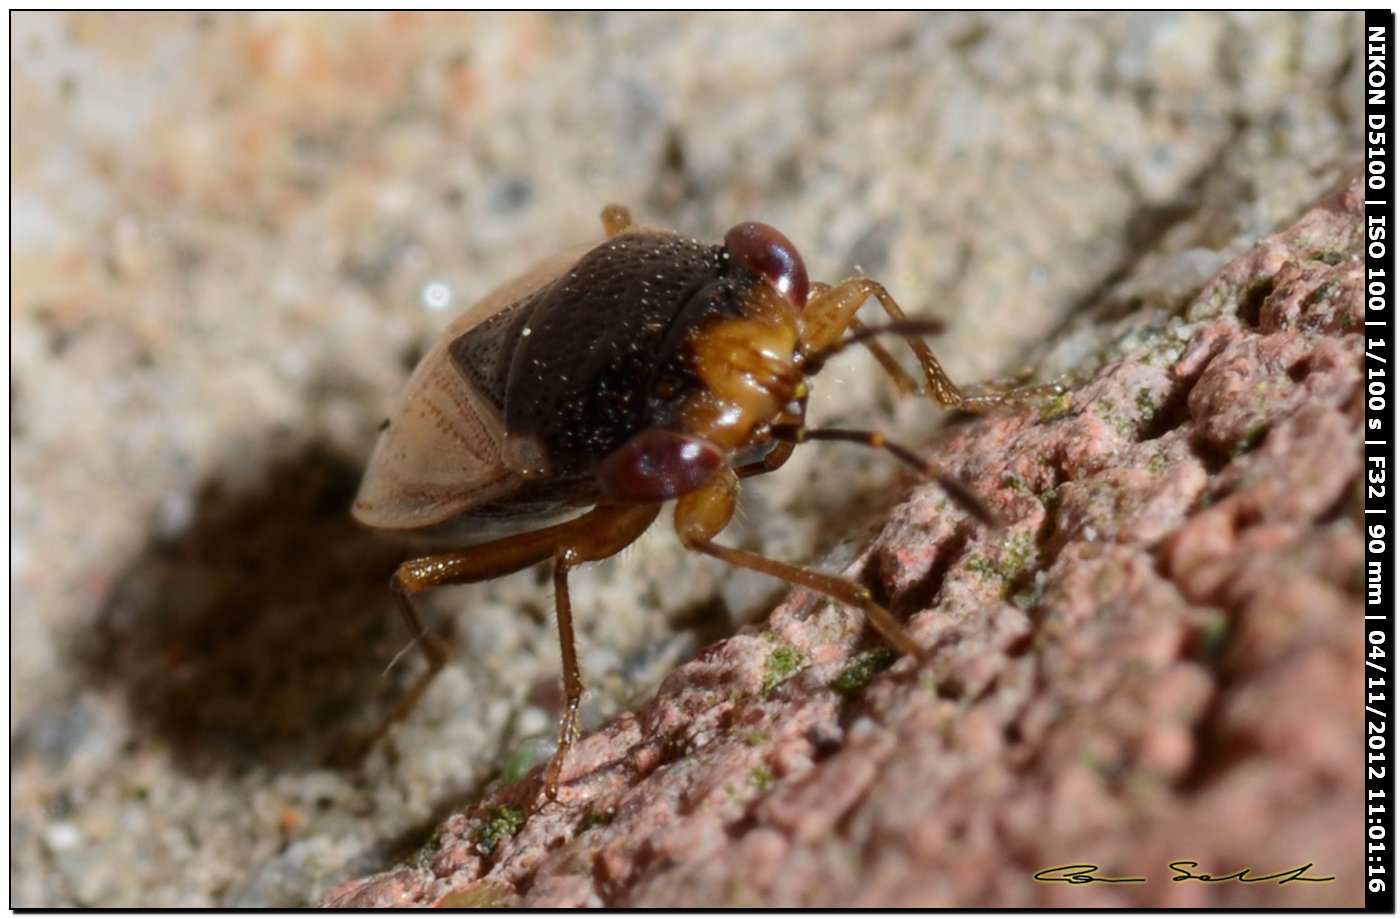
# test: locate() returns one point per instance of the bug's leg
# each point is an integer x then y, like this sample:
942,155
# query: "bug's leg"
988,399
1015,386
434,649
475,563
830,312
564,559
605,525
902,381
610,529
1015,380
780,454
702,513
862,334
616,218
772,461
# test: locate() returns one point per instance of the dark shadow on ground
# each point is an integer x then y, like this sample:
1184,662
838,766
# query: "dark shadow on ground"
260,634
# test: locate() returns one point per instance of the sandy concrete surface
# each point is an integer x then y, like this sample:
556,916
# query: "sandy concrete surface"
224,232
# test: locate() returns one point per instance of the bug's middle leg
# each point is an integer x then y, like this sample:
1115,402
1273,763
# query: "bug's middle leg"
702,513
611,529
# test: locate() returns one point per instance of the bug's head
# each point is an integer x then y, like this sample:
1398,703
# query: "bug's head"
741,360
731,367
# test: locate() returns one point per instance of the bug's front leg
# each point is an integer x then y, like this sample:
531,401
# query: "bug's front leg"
702,513
831,311
782,451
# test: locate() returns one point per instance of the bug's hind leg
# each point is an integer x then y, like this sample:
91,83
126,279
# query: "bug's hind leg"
462,566
598,534
434,649
701,514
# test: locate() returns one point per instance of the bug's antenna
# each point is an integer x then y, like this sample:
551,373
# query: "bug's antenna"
959,491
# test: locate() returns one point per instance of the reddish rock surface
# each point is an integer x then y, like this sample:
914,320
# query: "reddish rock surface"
1158,658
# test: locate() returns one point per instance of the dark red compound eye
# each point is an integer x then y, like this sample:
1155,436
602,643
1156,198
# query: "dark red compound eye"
658,465
772,256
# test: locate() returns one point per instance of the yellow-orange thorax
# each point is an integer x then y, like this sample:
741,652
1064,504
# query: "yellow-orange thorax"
748,366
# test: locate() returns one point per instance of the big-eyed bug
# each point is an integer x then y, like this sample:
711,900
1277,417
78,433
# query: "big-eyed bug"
553,419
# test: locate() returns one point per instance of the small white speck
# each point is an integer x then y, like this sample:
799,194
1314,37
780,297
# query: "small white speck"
525,332
436,295
62,836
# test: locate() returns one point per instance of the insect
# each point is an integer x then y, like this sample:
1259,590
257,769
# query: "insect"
552,420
